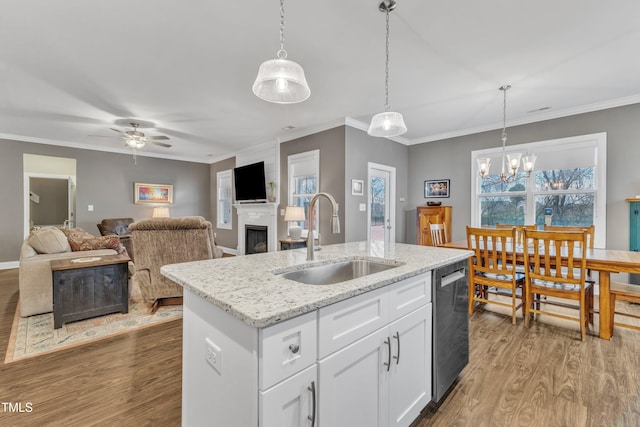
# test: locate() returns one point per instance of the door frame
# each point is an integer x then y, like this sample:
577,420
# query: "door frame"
392,198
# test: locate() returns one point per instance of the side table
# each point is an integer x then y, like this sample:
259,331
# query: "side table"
286,244
89,287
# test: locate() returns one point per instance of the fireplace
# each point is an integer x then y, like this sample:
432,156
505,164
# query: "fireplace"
256,239
263,215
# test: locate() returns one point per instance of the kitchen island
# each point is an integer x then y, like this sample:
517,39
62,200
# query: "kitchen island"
260,349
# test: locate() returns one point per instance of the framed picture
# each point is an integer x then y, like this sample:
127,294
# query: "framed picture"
157,194
436,188
357,187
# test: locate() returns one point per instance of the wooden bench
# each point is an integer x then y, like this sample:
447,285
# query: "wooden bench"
624,292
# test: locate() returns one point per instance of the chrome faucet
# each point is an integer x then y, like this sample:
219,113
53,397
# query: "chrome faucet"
335,223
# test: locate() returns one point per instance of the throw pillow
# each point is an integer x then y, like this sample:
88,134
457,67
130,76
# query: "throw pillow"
76,233
49,240
104,242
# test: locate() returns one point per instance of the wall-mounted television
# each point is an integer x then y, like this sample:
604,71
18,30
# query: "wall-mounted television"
250,183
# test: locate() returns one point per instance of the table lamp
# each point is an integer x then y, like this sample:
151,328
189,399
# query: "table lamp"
294,214
160,212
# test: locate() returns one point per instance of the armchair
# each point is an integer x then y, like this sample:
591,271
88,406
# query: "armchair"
119,227
162,241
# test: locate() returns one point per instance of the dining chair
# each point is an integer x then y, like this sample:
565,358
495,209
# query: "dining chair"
438,234
492,268
547,252
519,229
623,292
590,235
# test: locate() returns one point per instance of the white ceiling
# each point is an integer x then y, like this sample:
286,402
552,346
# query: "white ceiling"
72,69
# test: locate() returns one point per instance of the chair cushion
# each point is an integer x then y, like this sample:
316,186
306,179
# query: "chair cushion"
103,242
519,276
49,240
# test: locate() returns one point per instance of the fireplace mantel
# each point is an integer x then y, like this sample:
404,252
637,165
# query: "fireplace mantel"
257,214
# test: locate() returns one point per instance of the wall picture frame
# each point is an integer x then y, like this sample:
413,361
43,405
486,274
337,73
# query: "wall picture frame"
357,187
154,194
437,188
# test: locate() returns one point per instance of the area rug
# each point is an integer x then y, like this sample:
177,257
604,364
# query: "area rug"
35,335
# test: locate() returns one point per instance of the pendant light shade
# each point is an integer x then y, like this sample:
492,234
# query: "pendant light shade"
387,124
280,80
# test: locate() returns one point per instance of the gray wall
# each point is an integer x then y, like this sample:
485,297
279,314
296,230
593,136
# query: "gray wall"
226,238
360,150
331,144
104,180
451,159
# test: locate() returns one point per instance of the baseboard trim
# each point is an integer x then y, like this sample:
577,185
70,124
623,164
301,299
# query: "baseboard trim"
9,265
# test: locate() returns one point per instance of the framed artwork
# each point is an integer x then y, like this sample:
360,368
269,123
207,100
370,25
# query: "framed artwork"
157,194
357,187
437,188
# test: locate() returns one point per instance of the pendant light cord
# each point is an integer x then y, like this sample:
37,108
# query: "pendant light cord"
504,114
386,78
282,54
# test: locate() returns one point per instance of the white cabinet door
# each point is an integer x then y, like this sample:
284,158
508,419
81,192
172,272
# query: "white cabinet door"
354,387
291,403
410,376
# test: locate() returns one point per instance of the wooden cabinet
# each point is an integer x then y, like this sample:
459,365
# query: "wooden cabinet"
431,215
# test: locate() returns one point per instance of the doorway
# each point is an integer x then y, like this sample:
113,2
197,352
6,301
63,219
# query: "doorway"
382,208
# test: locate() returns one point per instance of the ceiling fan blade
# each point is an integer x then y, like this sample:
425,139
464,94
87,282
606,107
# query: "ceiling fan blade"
159,138
161,144
117,130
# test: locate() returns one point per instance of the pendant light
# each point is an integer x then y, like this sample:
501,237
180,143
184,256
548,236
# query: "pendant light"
280,80
389,123
510,161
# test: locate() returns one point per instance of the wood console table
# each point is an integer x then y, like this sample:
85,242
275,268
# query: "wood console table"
89,287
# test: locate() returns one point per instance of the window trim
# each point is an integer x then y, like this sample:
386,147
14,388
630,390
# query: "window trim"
596,140
221,176
291,161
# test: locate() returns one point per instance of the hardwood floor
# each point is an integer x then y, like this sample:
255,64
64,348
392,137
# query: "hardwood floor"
544,376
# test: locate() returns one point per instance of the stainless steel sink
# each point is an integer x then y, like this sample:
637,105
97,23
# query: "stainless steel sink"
338,271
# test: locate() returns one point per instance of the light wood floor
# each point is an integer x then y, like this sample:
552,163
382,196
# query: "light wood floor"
544,376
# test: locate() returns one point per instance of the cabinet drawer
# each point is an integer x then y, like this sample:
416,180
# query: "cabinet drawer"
345,322
287,348
409,294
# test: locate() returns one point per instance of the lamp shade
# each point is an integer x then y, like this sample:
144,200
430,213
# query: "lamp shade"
387,124
294,213
281,81
160,212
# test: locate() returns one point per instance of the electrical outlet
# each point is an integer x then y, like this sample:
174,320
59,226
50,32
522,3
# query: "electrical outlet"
213,355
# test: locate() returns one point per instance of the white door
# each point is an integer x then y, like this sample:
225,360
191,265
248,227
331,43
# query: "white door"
354,384
381,220
292,403
410,379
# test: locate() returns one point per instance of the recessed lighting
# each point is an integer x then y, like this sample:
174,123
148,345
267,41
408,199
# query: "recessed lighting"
288,127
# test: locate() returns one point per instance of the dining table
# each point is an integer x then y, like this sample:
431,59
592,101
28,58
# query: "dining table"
605,262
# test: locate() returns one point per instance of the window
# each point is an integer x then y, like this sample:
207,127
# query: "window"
566,188
304,183
224,199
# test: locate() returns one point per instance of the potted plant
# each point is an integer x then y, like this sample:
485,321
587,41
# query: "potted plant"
272,191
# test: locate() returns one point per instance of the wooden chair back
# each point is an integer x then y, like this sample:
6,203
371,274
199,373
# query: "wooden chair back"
493,266
557,267
519,229
438,234
590,230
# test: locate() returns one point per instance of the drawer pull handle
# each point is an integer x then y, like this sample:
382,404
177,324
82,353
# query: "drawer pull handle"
397,336
294,348
388,362
312,417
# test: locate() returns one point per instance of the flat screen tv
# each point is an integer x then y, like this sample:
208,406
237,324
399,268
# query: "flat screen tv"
250,183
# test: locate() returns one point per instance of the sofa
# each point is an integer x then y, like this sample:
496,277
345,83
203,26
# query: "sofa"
118,227
51,243
162,241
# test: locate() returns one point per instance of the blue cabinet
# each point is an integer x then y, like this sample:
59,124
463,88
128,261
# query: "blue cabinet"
634,233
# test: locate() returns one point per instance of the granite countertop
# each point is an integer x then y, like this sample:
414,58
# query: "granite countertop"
249,288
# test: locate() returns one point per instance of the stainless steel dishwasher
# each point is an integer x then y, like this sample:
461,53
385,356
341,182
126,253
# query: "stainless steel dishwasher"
450,326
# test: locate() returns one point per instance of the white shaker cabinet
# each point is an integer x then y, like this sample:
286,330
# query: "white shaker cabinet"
292,403
383,379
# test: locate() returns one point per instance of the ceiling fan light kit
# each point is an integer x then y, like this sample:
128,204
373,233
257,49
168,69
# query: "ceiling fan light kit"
280,80
387,124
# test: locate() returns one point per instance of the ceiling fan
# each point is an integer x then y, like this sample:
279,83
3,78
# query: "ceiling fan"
136,139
